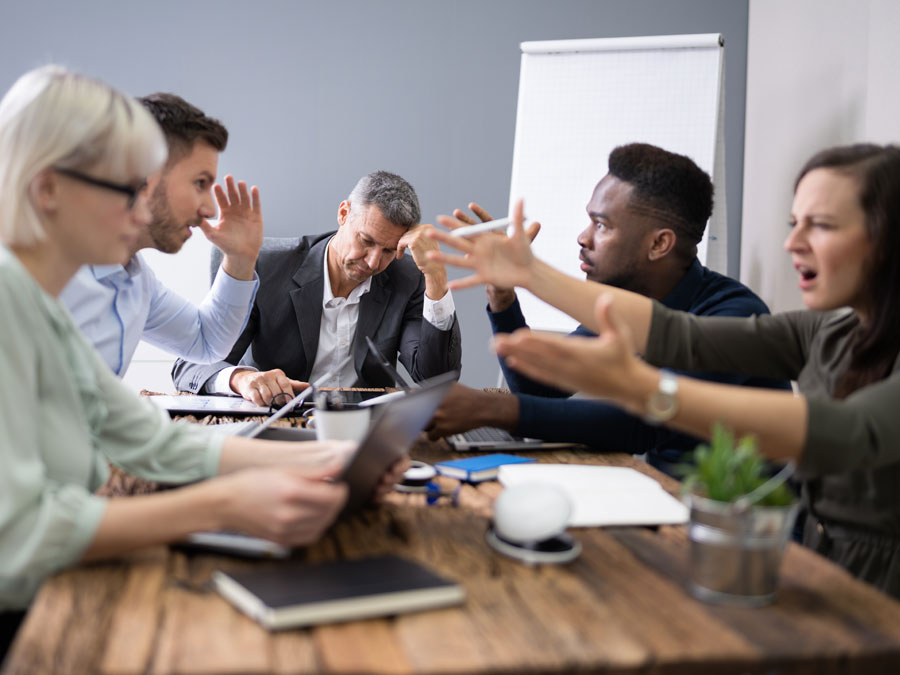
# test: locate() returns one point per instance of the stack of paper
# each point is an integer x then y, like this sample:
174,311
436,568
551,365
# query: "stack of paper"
603,495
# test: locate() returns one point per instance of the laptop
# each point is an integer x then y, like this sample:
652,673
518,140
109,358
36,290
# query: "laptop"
395,428
491,438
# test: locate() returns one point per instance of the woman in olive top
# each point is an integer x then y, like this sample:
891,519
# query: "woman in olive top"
74,155
844,427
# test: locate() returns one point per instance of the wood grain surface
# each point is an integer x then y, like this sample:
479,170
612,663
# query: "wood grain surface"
621,607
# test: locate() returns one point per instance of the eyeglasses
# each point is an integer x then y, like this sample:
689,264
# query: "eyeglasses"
131,190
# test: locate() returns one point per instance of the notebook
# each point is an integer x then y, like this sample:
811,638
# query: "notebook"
480,468
290,594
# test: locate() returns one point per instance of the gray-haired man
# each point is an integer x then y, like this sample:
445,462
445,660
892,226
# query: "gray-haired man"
318,301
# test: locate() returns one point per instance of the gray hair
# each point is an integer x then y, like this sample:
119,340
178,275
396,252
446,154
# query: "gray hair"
393,195
52,117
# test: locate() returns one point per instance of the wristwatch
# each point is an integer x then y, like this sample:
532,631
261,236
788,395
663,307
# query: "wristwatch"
662,404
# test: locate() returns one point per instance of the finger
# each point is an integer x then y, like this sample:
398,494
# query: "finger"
205,227
458,243
244,193
532,230
298,385
463,217
221,199
233,195
480,212
255,202
451,223
401,249
318,475
466,282
448,259
265,391
284,385
518,217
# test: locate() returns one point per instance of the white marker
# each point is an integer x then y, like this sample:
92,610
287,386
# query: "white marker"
489,226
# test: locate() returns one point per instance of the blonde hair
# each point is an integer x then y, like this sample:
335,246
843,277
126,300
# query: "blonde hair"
52,117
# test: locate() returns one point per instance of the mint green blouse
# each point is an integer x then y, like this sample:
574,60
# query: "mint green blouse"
63,416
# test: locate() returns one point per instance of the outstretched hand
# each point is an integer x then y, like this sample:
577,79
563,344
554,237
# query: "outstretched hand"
604,366
502,261
239,230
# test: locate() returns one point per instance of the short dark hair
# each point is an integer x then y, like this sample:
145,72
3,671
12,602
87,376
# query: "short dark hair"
876,169
677,191
184,124
393,195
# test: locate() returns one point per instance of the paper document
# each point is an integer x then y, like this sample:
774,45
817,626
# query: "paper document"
603,495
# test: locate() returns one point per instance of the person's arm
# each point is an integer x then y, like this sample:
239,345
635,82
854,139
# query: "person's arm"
606,367
206,334
424,349
509,262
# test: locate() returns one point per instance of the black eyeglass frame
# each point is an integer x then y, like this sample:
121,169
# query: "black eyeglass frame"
132,191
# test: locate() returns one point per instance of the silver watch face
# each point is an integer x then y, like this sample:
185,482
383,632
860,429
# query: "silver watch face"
661,406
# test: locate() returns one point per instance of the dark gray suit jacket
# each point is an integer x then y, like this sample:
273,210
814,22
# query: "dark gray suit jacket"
283,328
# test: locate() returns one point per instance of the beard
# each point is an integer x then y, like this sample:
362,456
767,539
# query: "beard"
165,232
627,278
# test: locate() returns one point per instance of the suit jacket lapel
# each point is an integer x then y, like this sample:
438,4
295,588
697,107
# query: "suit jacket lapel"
307,300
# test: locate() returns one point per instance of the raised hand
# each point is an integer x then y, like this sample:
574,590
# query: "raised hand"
419,244
239,230
503,261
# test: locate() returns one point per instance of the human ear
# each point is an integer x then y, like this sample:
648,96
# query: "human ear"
43,190
343,213
662,244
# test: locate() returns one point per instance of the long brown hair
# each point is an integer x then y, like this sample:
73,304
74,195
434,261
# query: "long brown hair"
876,343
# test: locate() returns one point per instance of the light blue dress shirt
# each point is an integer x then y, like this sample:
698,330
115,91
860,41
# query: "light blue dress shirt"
115,307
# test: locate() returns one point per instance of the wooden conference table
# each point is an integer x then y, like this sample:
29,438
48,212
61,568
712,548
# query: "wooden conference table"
621,607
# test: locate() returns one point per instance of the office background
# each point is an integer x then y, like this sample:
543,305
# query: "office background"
315,94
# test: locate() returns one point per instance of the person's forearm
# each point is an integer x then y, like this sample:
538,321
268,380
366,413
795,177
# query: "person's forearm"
243,453
436,284
778,419
147,520
577,299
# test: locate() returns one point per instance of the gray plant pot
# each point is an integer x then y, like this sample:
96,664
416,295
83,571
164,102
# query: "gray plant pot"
735,553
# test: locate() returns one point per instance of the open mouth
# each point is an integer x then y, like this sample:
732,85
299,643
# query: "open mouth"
807,274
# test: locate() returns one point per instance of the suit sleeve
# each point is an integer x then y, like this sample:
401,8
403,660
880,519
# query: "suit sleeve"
193,377
426,351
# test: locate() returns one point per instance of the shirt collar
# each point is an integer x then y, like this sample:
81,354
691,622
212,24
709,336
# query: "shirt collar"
681,296
132,269
328,294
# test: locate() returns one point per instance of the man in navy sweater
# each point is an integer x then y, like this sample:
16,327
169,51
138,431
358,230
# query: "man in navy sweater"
647,216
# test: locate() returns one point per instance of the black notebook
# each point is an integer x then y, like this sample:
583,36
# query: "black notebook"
292,594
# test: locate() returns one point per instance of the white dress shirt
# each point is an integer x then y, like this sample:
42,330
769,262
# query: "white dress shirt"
115,307
338,328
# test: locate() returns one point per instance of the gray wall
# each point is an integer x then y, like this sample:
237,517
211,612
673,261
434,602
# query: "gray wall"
316,94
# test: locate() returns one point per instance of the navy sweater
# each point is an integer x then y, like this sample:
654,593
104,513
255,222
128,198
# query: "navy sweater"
548,413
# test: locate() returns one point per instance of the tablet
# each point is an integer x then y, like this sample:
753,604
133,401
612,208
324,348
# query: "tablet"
395,428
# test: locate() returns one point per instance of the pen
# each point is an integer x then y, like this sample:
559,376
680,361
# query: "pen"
471,230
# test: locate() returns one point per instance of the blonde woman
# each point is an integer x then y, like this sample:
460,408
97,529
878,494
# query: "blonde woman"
74,155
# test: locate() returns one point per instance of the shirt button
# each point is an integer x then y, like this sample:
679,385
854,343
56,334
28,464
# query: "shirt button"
821,529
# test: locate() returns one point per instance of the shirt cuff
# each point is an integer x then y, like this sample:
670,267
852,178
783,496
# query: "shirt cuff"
234,291
439,313
221,383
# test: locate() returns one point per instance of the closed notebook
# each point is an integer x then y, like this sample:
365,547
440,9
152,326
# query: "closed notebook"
291,594
481,468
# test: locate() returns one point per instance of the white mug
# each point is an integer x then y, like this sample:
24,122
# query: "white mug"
341,425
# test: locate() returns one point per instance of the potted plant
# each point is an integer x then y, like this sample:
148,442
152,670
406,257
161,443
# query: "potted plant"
740,519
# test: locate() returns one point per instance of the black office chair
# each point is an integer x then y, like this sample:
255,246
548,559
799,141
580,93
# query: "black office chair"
269,244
